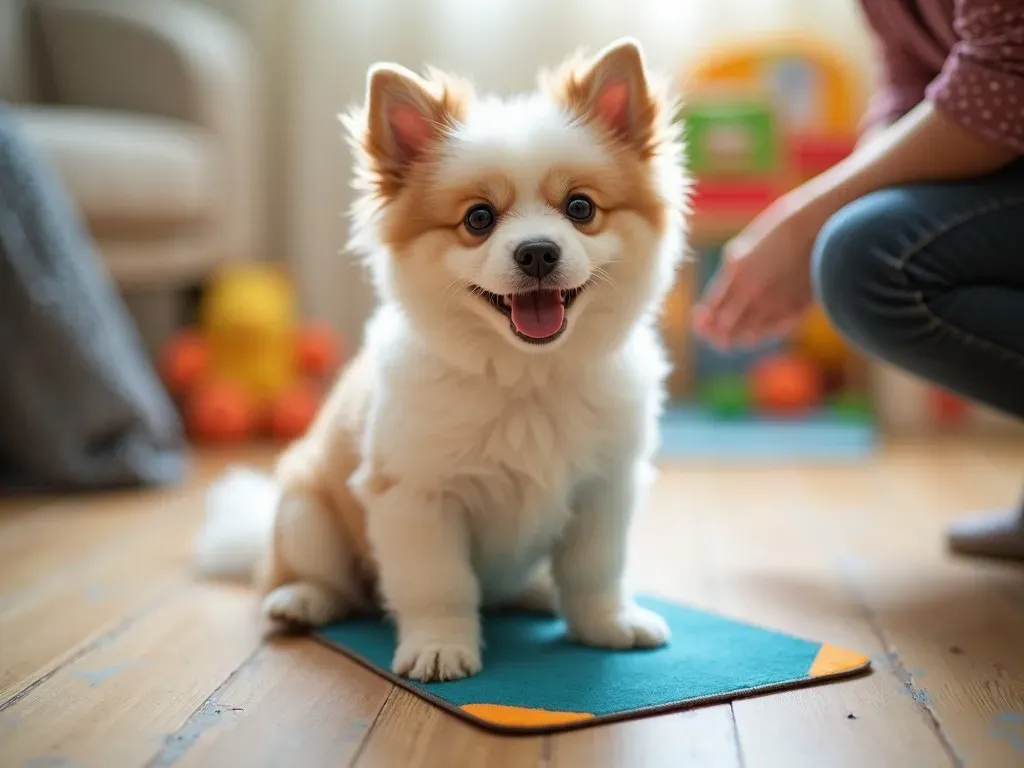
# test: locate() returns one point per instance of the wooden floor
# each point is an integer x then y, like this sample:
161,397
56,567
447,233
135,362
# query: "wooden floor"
111,654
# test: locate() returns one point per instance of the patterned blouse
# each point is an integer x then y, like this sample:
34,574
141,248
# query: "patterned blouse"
966,56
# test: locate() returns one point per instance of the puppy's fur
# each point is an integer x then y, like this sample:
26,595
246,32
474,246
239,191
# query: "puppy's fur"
475,453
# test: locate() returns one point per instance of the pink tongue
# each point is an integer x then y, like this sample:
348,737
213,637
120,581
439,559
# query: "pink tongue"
538,314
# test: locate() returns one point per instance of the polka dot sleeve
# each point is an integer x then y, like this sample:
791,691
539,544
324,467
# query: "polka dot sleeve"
903,79
981,85
903,73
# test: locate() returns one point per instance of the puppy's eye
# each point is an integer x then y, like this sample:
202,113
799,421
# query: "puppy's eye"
480,219
579,208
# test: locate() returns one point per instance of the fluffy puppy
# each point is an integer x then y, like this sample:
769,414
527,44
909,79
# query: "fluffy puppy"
493,438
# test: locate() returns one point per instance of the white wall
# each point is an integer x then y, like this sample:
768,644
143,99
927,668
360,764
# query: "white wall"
268,23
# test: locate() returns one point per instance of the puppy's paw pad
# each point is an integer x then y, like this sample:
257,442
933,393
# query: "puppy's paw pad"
630,627
430,662
302,603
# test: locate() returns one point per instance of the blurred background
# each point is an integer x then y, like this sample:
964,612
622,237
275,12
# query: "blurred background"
197,149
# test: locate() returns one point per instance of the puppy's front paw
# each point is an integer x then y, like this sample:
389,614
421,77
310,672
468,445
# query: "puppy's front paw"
430,661
629,626
302,603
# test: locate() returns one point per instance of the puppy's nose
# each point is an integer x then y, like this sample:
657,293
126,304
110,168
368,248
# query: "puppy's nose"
537,258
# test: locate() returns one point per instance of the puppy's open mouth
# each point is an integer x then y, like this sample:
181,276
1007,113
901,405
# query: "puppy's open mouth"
537,317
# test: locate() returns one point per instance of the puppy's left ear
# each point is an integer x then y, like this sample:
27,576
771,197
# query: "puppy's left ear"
612,91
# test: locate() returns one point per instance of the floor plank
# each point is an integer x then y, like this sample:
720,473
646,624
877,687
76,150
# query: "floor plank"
94,593
750,550
295,697
93,560
700,738
41,534
954,627
1006,461
413,734
35,642
114,656
42,541
118,703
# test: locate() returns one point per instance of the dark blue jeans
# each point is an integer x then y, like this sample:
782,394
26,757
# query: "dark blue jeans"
930,278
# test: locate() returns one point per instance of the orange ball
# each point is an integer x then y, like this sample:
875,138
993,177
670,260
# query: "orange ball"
293,411
220,412
786,384
184,361
318,350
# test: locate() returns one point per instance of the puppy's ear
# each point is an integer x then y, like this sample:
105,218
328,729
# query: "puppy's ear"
401,114
611,90
405,116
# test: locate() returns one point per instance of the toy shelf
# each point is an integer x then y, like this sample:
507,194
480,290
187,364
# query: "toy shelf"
758,122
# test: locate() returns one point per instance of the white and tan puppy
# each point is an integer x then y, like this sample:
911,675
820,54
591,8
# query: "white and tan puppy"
493,438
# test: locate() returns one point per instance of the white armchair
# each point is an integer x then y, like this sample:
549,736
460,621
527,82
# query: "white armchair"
149,111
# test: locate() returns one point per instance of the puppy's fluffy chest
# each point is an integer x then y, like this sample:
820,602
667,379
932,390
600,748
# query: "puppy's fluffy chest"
530,452
511,445
547,423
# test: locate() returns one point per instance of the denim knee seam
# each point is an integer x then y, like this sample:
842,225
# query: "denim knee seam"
964,337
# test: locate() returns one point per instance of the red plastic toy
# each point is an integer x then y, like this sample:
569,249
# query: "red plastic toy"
786,384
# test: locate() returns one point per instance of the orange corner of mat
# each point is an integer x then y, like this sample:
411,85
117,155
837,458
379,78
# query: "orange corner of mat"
832,659
522,717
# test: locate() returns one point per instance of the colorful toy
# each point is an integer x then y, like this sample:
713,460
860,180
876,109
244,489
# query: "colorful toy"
852,405
732,136
760,118
318,351
786,384
219,411
814,91
249,367
820,343
183,361
293,411
727,396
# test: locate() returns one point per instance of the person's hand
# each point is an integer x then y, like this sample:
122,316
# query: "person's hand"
763,287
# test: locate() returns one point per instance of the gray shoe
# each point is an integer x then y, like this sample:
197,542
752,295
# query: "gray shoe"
993,534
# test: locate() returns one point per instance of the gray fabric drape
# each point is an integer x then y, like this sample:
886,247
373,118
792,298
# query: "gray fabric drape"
80,405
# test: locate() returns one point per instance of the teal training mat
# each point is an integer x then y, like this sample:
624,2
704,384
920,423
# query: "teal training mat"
536,681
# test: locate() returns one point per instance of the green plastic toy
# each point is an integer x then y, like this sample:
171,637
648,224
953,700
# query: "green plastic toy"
726,396
731,138
851,405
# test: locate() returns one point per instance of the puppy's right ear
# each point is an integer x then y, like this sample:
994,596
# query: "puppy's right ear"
401,113
406,116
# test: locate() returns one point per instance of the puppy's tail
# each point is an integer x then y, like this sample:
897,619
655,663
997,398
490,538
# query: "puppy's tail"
239,521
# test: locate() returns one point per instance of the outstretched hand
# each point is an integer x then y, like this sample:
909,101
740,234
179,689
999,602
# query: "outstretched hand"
763,287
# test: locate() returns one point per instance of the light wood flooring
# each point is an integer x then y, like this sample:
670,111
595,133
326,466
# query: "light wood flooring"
112,654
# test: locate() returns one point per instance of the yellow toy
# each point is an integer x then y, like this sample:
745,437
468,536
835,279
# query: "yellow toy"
248,319
250,366
816,340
